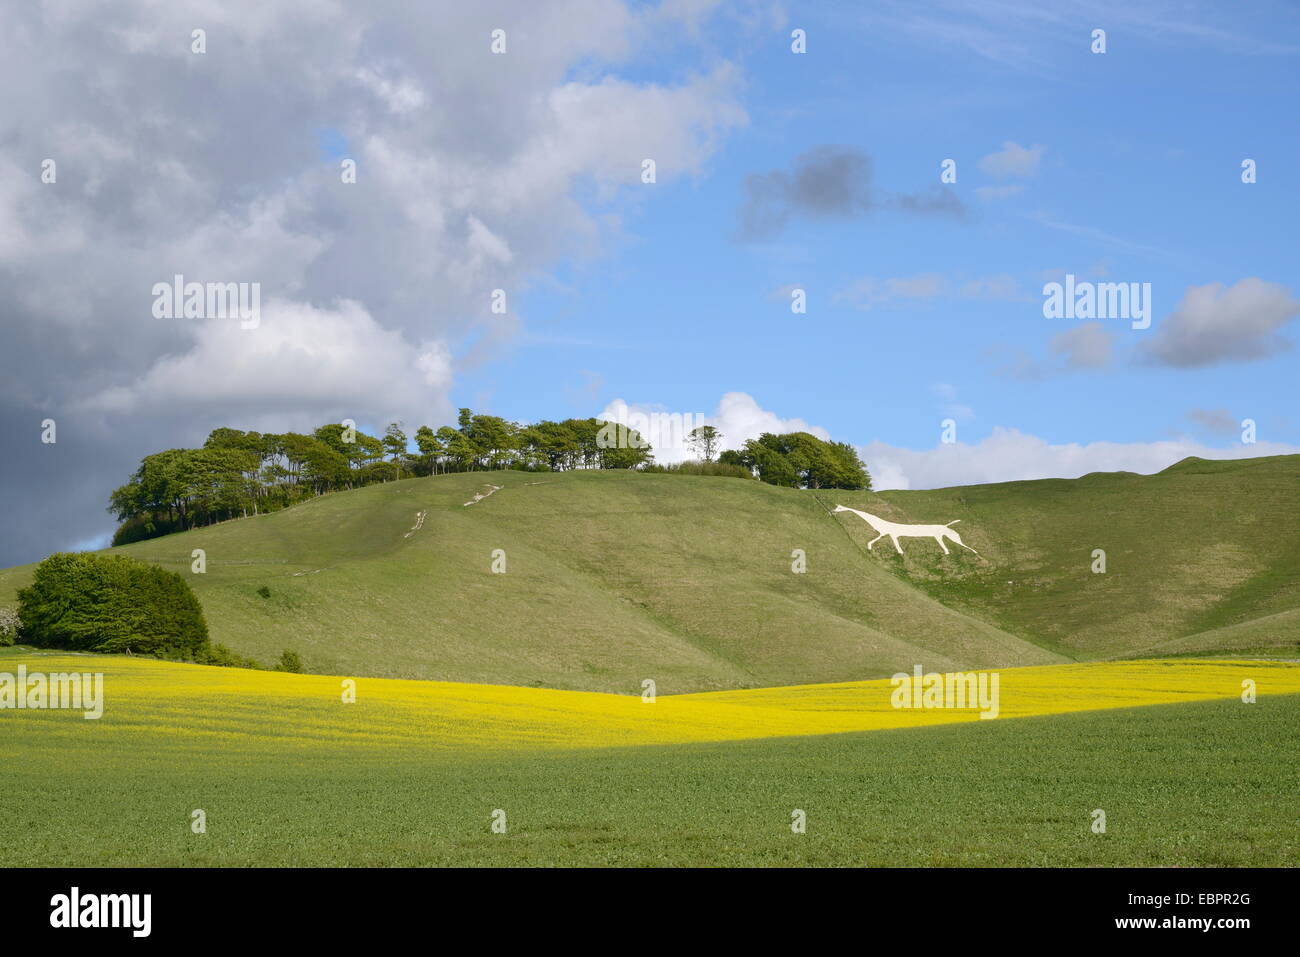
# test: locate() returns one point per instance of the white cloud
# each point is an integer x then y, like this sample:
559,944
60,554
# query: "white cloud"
949,406
1013,161
1008,455
301,366
869,292
608,128
399,96
737,416
1212,324
740,418
487,244
1001,287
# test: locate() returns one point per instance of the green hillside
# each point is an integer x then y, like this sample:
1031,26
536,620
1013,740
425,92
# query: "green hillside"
1204,556
615,577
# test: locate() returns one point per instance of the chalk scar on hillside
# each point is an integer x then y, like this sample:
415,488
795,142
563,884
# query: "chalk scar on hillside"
479,496
419,523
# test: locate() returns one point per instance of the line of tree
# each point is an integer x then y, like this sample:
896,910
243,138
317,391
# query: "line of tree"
800,460
239,473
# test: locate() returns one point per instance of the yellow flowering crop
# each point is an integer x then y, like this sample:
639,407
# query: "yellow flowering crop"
234,711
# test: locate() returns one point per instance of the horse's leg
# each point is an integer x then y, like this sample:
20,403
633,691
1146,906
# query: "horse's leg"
874,540
898,548
939,539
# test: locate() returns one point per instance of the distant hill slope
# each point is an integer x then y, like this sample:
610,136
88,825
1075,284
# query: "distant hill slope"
1204,556
615,577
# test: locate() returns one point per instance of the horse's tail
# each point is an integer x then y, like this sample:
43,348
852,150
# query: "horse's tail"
952,523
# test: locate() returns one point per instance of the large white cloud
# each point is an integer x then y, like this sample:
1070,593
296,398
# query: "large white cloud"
738,416
300,366
474,172
209,164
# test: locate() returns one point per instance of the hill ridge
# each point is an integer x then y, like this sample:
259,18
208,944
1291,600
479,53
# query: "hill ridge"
612,578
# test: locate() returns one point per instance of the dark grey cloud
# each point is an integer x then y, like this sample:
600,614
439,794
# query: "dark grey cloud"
211,165
57,493
828,182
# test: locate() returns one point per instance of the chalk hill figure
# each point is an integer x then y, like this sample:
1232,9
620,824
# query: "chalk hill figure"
896,531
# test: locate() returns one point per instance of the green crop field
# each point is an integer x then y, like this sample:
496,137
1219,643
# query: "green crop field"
1202,784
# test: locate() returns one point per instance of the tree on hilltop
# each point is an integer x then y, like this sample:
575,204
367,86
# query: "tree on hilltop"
705,441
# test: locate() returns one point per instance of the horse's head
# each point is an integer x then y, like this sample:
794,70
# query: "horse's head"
842,508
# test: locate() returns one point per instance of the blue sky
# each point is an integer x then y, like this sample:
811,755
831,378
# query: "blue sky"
1137,180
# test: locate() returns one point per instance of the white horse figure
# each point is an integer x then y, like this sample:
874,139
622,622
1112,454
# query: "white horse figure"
896,531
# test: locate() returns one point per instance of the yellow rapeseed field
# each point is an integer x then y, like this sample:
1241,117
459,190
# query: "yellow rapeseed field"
235,711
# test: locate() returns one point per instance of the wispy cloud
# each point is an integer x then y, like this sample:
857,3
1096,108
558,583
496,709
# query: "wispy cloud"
1100,235
870,291
1027,36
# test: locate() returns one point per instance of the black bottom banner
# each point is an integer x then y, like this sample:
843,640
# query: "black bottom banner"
303,906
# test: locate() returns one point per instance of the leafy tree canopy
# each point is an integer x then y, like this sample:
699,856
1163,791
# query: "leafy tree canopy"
110,603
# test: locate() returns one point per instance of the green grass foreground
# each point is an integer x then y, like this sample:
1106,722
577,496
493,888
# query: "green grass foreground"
1202,784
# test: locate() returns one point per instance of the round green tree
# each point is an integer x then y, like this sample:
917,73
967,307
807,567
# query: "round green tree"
84,601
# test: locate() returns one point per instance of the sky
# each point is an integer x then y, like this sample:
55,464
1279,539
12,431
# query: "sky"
919,175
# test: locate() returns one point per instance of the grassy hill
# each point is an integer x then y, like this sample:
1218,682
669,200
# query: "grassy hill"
615,577
1204,556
